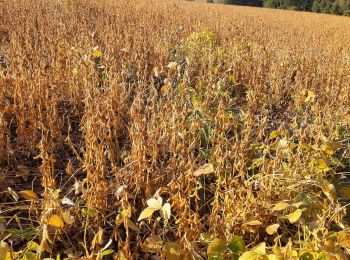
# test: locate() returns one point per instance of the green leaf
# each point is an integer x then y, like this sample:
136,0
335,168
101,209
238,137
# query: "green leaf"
237,245
91,212
217,247
107,252
306,256
27,234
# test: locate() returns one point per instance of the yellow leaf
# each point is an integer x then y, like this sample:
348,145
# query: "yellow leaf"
217,247
118,219
55,221
163,90
274,257
298,204
250,255
330,147
294,216
146,213
310,96
126,213
204,169
74,71
345,192
155,203
128,223
322,165
260,249
33,246
253,223
258,253
29,195
196,102
272,229
4,249
273,134
29,256
171,251
280,206
96,53
165,211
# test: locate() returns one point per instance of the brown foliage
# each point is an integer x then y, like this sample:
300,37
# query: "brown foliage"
111,103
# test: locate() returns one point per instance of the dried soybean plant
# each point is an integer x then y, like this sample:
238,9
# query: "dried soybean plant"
139,129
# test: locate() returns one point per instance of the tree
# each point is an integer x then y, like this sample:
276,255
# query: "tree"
243,2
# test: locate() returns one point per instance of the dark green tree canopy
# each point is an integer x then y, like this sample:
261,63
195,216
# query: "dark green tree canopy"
338,7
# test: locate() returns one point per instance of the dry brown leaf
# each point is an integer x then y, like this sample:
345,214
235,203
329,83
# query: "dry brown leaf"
98,238
172,65
204,170
12,193
345,192
152,244
172,251
128,223
217,247
29,195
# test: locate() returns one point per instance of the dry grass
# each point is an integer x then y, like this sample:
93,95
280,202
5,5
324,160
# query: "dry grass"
223,112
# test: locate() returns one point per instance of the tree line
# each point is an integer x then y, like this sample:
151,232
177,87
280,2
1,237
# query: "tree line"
338,7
